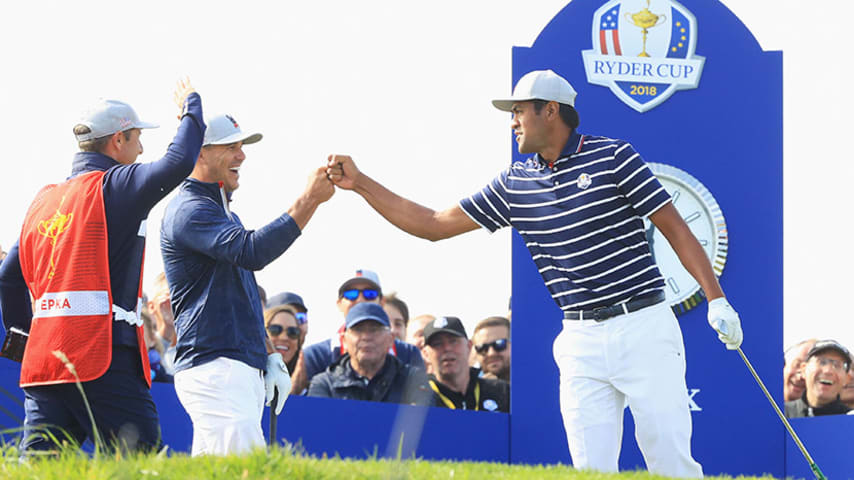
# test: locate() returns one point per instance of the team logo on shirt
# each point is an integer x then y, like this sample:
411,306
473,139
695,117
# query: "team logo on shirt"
643,50
490,404
584,181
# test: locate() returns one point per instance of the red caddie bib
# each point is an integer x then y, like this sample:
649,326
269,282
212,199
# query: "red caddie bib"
64,259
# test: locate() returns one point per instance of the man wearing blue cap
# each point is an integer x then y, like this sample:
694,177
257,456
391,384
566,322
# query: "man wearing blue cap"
209,259
367,371
363,287
81,253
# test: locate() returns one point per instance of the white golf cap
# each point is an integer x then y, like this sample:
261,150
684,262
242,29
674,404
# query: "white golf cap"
539,85
361,275
108,117
224,130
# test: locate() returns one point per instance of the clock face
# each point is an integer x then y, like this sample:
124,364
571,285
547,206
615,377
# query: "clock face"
703,215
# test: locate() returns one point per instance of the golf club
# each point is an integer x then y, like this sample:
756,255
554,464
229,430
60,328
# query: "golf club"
815,470
274,420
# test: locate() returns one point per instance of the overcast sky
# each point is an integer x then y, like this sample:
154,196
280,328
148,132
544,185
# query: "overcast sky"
404,87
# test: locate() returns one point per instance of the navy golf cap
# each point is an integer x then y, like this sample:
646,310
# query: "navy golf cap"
286,298
366,311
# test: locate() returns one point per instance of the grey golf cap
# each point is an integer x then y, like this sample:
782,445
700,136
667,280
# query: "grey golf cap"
224,130
107,117
539,85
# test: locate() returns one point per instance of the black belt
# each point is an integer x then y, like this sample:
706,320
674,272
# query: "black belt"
604,313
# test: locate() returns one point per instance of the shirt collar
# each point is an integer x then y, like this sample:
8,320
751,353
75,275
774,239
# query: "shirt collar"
573,146
88,161
209,188
452,394
832,407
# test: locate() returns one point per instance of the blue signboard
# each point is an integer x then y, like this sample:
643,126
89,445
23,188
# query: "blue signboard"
690,88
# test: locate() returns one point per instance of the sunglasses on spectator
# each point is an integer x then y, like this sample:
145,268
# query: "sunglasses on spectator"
838,365
367,293
499,345
301,317
276,330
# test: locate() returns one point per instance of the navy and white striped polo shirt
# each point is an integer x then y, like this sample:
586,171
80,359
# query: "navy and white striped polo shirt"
581,219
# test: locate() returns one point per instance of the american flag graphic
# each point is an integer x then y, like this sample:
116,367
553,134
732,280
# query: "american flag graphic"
609,32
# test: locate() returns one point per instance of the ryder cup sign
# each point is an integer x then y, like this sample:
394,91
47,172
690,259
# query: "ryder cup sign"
643,50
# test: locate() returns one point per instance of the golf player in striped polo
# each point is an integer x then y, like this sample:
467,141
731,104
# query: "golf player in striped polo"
579,203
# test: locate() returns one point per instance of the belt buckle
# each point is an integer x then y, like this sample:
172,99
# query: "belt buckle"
601,314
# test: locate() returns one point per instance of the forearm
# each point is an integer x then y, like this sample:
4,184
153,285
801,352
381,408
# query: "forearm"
181,155
14,294
303,209
135,189
687,248
268,243
694,259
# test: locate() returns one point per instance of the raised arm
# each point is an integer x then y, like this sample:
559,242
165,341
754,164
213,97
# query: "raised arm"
135,189
318,190
405,214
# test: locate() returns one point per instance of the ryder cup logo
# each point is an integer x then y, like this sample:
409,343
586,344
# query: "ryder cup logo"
643,50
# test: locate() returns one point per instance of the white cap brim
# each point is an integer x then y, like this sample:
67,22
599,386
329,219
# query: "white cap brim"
145,125
506,105
246,138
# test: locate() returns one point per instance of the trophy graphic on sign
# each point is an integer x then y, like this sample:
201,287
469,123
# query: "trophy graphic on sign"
645,20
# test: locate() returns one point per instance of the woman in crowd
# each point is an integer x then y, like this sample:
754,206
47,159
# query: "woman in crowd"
283,329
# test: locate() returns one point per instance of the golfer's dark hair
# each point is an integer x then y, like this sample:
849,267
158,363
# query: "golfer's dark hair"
567,113
94,144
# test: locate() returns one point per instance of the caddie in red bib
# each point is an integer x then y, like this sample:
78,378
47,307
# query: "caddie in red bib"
63,255
74,282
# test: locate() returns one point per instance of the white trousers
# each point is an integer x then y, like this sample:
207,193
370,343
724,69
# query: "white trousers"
637,359
225,401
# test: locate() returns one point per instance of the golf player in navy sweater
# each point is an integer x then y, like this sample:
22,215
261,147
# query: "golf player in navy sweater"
224,360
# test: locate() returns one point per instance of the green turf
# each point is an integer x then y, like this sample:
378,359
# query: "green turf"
279,463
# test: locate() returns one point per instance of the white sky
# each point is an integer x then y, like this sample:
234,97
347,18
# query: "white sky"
404,87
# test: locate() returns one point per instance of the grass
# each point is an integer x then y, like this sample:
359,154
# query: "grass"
279,463
69,462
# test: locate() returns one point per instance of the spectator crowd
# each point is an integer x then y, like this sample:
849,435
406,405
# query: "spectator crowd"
377,354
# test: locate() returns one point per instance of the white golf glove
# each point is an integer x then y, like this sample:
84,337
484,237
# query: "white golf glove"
725,321
277,378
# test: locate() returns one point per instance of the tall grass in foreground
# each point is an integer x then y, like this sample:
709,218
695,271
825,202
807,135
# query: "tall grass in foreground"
99,445
278,464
